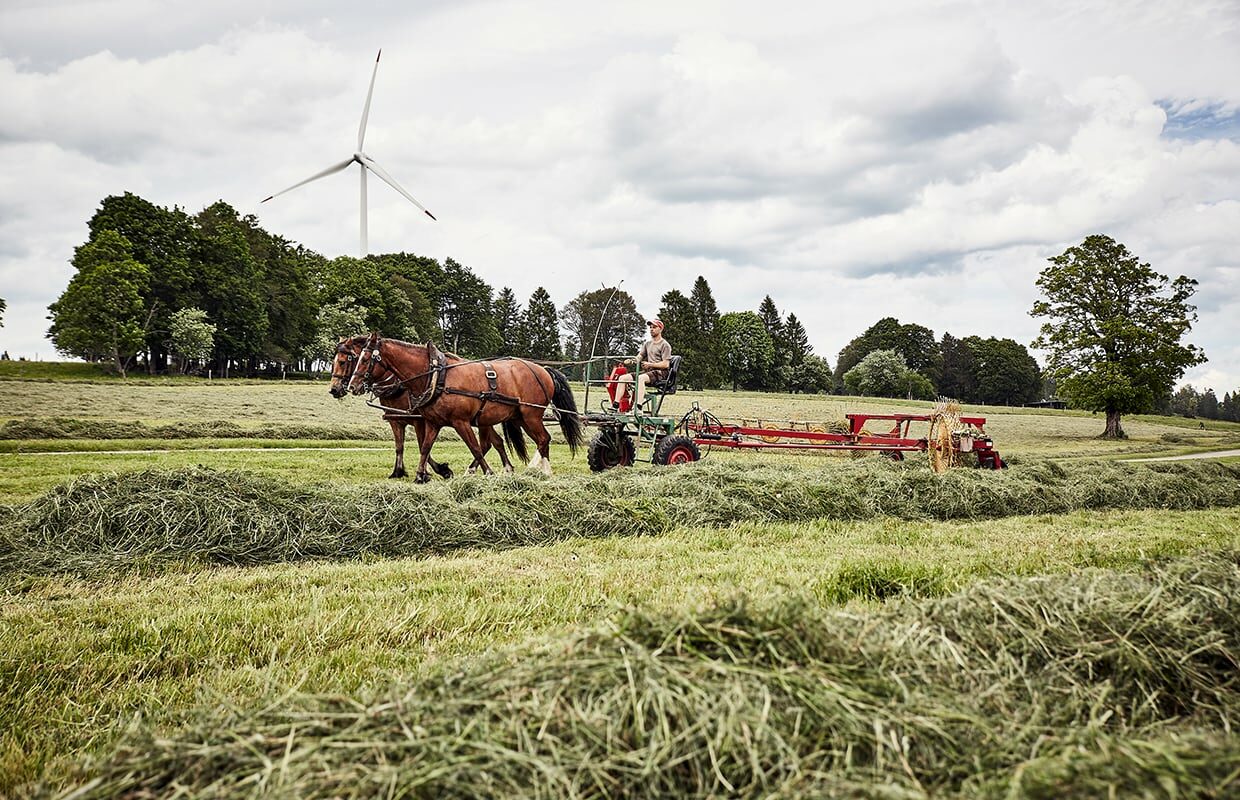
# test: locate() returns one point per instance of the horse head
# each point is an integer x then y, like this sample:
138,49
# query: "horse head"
344,365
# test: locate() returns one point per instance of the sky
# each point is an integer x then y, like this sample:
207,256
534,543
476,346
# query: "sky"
920,160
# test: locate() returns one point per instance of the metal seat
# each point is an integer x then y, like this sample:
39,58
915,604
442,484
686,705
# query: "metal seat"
656,390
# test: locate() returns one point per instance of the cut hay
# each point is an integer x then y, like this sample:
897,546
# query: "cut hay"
69,428
98,523
1100,684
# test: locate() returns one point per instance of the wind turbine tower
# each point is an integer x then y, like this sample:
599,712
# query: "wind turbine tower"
366,164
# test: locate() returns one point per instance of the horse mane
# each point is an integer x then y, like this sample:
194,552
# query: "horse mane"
403,343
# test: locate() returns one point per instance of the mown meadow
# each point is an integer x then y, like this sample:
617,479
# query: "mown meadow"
211,589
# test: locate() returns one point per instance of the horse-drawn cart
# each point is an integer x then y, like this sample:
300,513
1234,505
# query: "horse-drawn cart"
644,434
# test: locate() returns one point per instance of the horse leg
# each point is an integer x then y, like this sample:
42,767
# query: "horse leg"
466,433
532,422
488,438
498,442
442,470
398,434
430,433
484,441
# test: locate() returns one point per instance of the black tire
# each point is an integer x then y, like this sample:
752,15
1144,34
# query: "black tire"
610,448
675,449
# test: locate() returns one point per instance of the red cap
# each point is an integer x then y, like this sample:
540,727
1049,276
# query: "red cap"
656,321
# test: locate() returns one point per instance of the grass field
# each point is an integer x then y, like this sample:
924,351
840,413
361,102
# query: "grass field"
91,660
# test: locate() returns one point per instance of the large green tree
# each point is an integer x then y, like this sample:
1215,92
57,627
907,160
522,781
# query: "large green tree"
101,313
619,330
163,240
746,349
1004,372
883,373
465,313
230,285
1115,328
916,343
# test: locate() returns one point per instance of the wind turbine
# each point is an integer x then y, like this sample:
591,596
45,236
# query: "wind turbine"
366,163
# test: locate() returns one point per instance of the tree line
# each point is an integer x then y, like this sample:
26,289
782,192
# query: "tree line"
163,290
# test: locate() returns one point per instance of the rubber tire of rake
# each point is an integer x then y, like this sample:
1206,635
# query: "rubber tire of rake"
605,452
675,449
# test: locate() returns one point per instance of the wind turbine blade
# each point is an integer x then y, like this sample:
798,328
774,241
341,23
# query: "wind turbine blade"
370,164
361,130
329,171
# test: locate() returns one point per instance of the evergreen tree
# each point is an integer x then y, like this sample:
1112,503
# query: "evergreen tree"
703,359
541,327
508,318
1207,405
957,375
774,325
797,341
679,323
466,314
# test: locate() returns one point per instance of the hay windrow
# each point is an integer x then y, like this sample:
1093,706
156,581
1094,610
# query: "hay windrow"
98,523
1089,685
70,428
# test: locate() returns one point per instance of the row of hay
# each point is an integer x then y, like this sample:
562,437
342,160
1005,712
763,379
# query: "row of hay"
1101,684
99,522
69,428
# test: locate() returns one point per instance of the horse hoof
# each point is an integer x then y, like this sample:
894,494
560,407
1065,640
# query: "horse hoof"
442,471
398,473
422,478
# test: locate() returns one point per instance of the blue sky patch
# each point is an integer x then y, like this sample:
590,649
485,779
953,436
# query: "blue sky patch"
1194,122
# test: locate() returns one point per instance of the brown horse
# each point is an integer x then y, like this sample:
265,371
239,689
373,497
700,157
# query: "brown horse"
448,391
400,415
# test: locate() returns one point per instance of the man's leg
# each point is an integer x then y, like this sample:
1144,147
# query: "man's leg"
642,380
622,383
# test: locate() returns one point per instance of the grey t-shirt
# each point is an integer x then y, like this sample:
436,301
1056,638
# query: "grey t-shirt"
656,351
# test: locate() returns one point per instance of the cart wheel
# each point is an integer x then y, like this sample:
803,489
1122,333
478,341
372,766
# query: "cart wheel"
894,455
610,448
675,450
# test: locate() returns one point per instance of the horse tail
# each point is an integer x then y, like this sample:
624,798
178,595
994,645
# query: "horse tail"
566,405
516,438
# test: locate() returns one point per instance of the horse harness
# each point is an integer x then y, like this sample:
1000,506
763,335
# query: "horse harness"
437,385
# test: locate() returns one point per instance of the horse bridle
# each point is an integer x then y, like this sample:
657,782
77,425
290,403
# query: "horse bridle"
371,355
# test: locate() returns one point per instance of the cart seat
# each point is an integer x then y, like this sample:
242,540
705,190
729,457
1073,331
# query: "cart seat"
668,384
